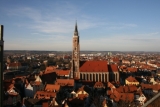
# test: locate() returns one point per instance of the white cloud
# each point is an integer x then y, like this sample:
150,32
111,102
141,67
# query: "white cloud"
121,43
117,26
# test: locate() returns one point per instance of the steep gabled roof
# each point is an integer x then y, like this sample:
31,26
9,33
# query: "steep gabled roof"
113,68
93,66
110,85
131,79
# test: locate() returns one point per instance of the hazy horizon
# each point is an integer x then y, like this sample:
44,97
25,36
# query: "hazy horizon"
83,51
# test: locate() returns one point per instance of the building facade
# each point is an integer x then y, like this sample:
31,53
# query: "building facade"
1,59
75,55
95,70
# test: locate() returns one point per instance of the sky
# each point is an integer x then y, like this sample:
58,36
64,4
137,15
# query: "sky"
103,25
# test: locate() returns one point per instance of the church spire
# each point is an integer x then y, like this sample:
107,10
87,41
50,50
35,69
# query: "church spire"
76,29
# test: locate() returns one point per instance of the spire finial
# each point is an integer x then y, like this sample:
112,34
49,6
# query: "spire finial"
76,29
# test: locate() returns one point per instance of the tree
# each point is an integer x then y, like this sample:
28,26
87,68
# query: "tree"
42,67
61,95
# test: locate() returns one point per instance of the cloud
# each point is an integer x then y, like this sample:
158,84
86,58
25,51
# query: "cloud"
121,42
118,26
47,22
149,35
25,12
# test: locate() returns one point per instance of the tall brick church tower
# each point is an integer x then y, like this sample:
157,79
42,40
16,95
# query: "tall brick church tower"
75,55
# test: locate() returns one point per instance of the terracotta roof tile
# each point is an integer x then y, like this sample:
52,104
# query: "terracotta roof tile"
65,82
131,79
45,104
110,85
52,87
113,68
62,72
93,66
81,88
8,85
14,64
131,69
115,96
127,97
127,89
132,88
99,85
123,67
44,95
115,59
82,96
50,69
150,86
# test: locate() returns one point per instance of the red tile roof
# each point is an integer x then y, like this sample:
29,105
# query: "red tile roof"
115,96
82,96
123,67
99,85
150,86
50,69
52,87
115,59
132,88
44,95
93,66
45,104
113,68
132,69
127,97
8,85
126,89
131,79
110,85
62,72
14,64
148,67
65,82
81,89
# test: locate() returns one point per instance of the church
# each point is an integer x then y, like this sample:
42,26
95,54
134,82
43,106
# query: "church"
94,70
